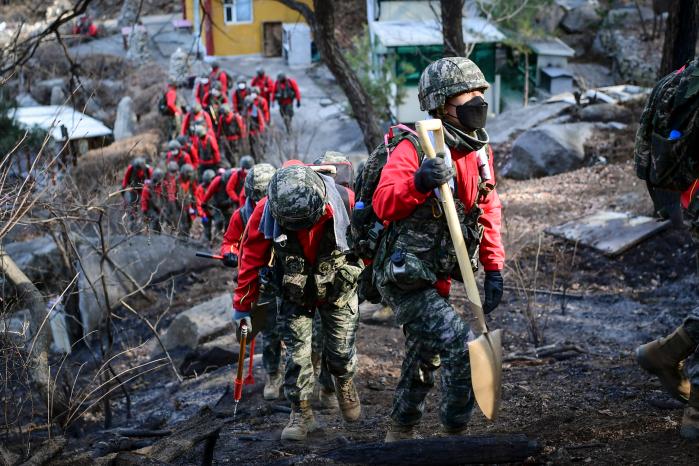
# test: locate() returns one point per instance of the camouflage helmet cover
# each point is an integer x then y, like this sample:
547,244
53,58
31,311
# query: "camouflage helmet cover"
257,181
331,157
246,162
447,77
296,197
139,163
187,169
208,176
157,175
173,167
174,145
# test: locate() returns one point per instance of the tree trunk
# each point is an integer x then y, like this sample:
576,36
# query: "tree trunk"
322,23
452,28
39,371
680,35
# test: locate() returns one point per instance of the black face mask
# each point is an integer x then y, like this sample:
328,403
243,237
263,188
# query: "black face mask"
472,114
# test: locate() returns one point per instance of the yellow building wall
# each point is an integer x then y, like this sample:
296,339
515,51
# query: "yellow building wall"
244,39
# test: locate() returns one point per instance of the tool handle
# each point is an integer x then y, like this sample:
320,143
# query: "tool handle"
238,382
209,255
250,378
457,237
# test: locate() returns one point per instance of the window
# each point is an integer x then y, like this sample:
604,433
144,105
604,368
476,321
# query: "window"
237,11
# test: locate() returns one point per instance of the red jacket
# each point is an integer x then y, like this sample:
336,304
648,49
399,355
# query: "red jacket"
225,126
135,180
233,235
152,197
396,197
181,157
214,187
200,193
256,252
236,186
280,86
170,185
265,84
689,194
187,194
171,100
261,103
219,75
200,90
207,101
255,125
190,117
207,145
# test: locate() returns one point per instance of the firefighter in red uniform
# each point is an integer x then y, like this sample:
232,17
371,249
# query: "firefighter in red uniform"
176,154
172,175
231,130
195,117
255,123
201,88
217,198
239,94
285,91
236,184
173,109
220,76
204,211
264,83
132,184
188,206
153,200
261,103
208,154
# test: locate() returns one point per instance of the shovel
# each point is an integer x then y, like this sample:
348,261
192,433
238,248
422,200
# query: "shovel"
485,352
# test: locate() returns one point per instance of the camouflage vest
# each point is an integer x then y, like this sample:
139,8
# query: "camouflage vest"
304,283
422,243
284,91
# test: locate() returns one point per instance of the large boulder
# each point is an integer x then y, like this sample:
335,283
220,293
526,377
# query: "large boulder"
582,17
200,324
548,150
125,124
38,258
133,262
606,112
139,51
502,127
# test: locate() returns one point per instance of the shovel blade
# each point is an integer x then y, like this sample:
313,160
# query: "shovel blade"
485,355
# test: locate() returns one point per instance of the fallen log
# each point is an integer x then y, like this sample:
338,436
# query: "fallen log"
480,449
47,452
204,426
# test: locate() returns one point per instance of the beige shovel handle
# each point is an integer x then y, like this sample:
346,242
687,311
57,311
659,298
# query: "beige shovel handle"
457,236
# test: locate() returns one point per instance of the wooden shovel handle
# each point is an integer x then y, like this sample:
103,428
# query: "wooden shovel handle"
457,236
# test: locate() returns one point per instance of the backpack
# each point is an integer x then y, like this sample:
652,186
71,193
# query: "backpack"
366,229
162,106
665,153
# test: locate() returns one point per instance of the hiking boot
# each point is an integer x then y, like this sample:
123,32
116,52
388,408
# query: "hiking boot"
662,358
348,399
454,431
273,384
399,432
383,315
301,422
690,419
328,398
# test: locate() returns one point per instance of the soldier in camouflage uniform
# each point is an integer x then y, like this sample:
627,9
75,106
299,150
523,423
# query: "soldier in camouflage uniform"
301,226
416,259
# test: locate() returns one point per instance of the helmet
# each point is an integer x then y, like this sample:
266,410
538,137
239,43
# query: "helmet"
207,176
197,107
157,175
281,77
447,77
172,167
174,145
257,181
215,64
225,109
246,162
296,197
182,139
139,163
260,72
331,157
187,171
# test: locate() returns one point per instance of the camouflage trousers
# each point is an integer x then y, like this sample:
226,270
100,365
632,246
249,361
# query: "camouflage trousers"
272,340
434,335
339,353
325,380
691,326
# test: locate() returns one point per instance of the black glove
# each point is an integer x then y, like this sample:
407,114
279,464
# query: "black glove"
493,290
432,173
231,260
298,103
